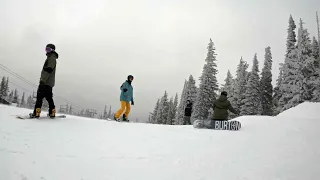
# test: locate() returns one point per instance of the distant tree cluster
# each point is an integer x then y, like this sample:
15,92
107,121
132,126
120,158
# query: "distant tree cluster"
107,114
164,111
251,91
12,96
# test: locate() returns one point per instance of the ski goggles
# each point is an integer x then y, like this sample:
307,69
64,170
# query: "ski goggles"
48,49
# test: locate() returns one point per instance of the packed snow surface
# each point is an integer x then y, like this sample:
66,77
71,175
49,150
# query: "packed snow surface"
75,148
310,110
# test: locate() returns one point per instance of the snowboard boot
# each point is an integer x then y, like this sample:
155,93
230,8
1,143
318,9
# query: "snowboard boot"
52,114
36,113
124,118
116,119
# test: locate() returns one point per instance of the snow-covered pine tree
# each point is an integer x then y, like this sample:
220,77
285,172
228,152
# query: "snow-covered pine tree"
208,86
229,87
70,109
30,104
276,92
162,113
300,83
23,103
316,81
6,89
105,112
315,52
191,91
288,70
252,100
240,84
11,96
318,28
266,84
307,62
154,113
16,97
149,118
2,87
170,113
182,105
87,113
109,113
174,111
45,106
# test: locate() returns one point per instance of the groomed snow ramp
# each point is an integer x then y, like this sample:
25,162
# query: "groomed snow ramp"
309,110
75,148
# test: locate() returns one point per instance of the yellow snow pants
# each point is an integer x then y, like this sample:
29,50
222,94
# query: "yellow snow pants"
125,106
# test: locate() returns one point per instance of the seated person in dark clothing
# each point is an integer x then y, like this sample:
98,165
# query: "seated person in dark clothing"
221,107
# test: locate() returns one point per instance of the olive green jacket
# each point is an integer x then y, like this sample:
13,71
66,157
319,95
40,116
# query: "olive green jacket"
221,107
48,72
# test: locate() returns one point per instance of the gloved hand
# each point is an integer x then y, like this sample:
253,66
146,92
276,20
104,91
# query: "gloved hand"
125,90
41,83
132,103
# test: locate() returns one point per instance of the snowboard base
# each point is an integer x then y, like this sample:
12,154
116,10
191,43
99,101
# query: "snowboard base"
120,120
217,125
41,117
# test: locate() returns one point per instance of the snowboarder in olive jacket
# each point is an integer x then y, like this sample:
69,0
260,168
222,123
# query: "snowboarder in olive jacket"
221,107
47,82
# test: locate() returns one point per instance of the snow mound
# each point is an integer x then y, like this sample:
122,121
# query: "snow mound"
75,148
305,110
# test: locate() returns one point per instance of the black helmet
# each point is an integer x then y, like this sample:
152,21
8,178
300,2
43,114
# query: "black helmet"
52,46
224,93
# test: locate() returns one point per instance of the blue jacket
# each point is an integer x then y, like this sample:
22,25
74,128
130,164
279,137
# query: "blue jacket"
126,95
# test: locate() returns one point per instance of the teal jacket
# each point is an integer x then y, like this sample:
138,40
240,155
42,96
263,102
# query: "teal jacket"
126,92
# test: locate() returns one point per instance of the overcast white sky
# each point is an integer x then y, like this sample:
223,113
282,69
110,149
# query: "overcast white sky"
159,42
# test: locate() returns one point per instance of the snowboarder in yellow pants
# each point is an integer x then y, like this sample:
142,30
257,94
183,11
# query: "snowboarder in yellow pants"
125,97
125,107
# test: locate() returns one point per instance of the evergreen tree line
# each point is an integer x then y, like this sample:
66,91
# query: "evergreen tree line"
90,113
251,92
107,114
13,95
298,80
164,111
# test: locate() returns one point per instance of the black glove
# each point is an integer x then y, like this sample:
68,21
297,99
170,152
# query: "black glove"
41,83
132,103
125,90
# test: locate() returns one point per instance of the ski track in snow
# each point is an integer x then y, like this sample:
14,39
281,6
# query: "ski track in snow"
78,148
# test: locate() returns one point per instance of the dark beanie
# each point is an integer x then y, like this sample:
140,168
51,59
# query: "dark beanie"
52,46
224,93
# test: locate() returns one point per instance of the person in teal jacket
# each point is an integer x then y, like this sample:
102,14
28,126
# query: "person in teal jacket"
126,97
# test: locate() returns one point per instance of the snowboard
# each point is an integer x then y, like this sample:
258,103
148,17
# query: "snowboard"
41,117
120,120
217,125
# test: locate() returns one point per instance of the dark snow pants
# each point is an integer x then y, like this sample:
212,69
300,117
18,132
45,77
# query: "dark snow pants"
44,92
186,120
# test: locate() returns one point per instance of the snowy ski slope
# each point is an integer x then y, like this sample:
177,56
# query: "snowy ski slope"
285,147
